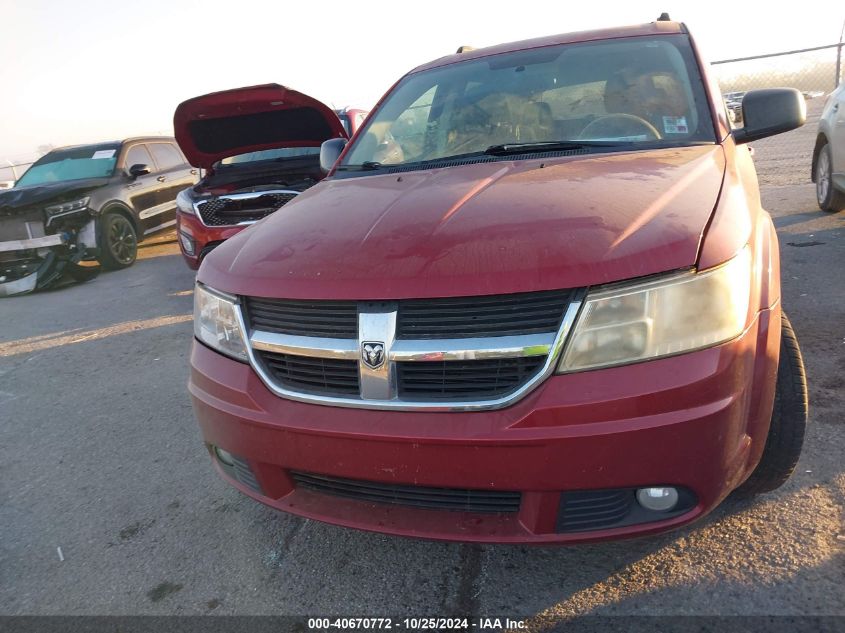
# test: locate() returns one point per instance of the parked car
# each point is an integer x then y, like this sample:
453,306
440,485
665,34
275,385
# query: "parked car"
352,119
828,168
259,147
733,102
87,202
536,299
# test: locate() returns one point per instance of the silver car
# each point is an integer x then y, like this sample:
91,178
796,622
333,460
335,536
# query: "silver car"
829,155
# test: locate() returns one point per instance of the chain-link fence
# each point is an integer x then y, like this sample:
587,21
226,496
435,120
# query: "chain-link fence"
781,159
785,158
10,171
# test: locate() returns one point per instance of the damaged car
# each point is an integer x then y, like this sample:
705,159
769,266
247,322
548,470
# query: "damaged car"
260,148
87,203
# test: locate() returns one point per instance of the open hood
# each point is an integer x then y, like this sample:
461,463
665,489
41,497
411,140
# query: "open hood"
222,124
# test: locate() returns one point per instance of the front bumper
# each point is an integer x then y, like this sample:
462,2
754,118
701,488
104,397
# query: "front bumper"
203,238
697,421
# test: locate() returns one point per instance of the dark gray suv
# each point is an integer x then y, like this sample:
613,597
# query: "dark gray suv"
87,202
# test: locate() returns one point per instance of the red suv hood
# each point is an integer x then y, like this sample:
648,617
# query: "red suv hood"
489,228
221,124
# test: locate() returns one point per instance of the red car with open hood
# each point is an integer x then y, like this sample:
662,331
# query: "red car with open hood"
535,300
259,147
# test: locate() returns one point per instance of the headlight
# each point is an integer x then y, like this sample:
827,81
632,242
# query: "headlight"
67,207
661,318
217,322
184,202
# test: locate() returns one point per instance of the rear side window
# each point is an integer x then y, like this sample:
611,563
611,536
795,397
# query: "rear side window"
166,155
138,155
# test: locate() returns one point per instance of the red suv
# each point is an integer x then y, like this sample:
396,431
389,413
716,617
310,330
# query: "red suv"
535,300
259,147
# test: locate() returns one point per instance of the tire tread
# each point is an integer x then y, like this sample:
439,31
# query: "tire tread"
789,420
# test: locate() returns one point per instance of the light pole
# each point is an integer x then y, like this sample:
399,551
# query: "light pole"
839,55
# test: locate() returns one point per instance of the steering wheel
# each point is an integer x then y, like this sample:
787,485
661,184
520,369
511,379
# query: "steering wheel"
594,125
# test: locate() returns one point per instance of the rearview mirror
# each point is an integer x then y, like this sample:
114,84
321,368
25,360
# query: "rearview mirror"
139,170
330,151
769,112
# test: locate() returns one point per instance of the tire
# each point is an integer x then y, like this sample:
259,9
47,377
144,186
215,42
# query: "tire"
118,241
828,197
789,420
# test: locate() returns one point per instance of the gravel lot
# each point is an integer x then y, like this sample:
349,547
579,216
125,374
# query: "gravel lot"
100,456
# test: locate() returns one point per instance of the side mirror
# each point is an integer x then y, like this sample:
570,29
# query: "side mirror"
138,170
769,112
329,153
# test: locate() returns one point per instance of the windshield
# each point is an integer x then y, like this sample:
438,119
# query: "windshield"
626,91
271,154
74,163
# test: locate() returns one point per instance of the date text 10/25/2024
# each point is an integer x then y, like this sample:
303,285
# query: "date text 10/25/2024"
416,624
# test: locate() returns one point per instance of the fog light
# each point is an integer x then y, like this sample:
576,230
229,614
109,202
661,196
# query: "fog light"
187,243
226,457
658,499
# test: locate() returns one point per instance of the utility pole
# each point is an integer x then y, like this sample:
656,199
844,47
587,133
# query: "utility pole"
839,55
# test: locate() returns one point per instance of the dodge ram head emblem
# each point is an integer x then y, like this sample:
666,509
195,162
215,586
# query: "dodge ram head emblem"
373,354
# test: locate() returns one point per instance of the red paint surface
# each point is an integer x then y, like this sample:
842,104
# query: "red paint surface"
533,225
244,101
691,420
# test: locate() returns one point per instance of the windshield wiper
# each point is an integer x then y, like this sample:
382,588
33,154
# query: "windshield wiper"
367,165
506,149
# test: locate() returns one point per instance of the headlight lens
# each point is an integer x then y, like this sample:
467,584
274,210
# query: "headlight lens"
661,318
67,207
217,323
184,202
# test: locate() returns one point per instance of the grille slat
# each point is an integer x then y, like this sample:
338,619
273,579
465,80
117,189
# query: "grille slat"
317,375
501,315
243,473
331,319
463,379
224,211
416,496
453,317
594,509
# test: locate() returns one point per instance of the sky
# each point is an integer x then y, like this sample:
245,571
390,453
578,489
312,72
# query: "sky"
83,71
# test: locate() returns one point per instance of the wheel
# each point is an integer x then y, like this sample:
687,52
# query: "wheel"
118,242
619,117
827,196
789,420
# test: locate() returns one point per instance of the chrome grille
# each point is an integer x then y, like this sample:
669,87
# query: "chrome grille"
482,353
459,317
241,208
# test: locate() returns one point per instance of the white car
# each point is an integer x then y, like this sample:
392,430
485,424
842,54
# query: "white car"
829,155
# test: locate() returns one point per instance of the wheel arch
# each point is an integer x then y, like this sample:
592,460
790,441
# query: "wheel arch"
821,141
115,206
